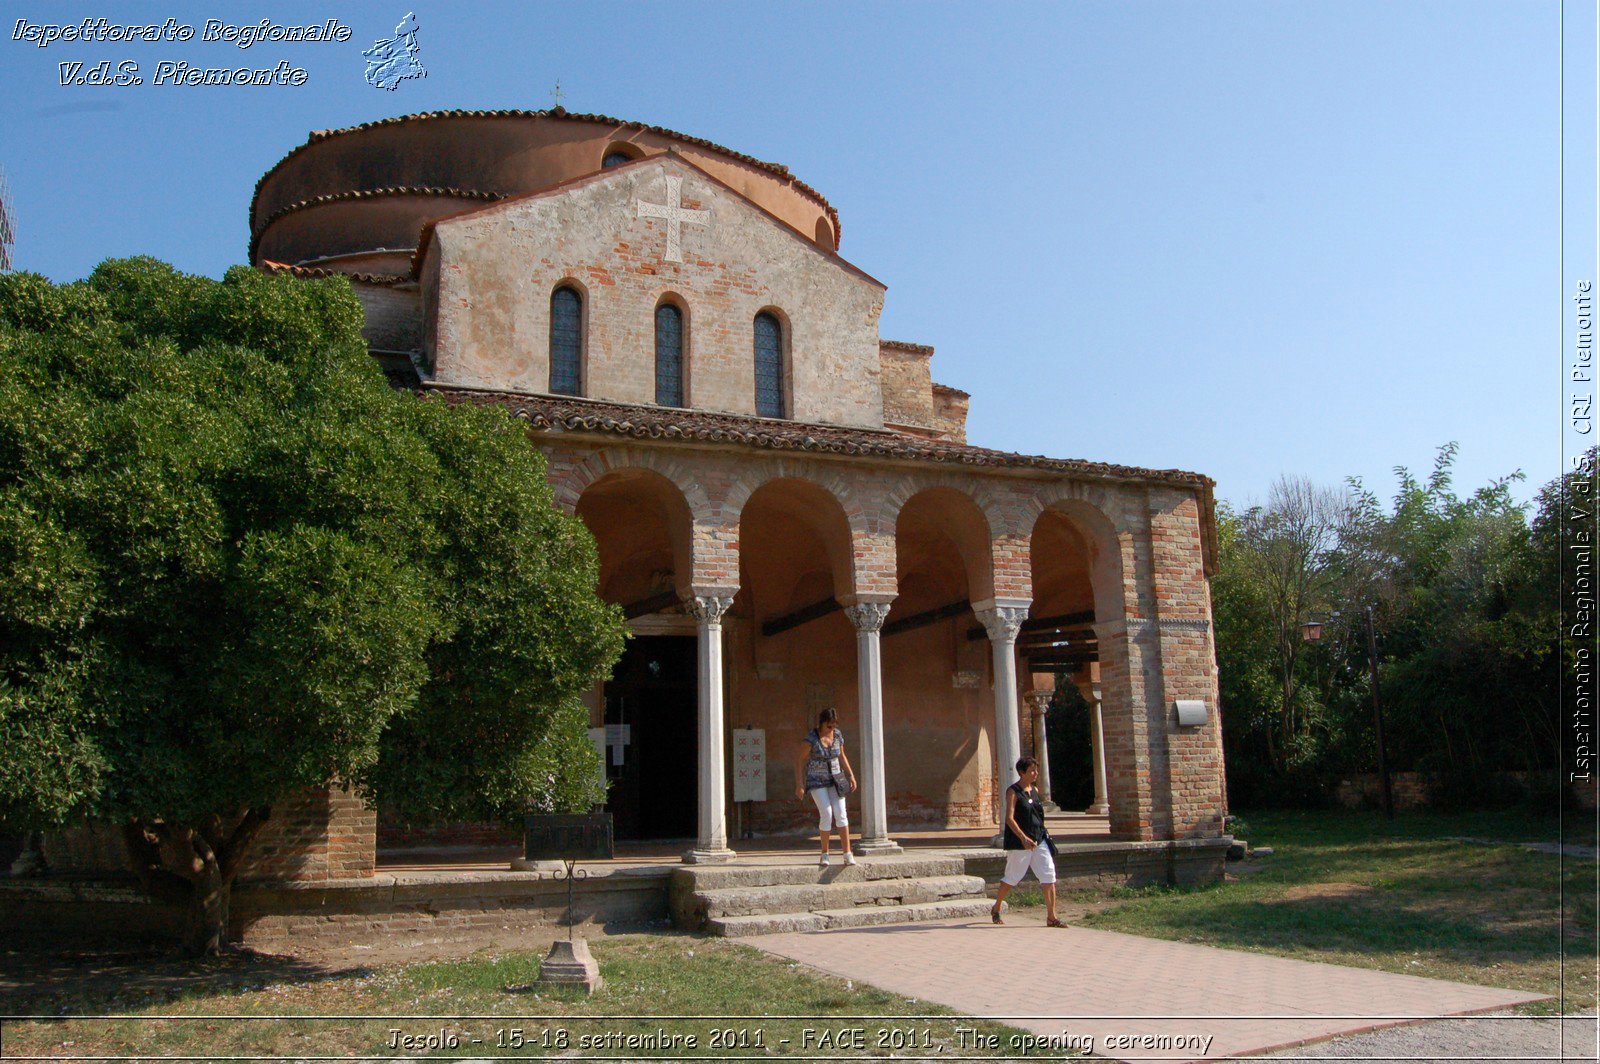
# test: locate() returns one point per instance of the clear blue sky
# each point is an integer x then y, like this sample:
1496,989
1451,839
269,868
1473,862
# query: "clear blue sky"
1239,238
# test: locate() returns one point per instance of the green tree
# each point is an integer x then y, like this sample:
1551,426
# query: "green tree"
1247,682
1285,553
235,564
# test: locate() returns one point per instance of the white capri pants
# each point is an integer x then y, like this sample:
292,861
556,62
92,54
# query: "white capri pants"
830,808
1019,861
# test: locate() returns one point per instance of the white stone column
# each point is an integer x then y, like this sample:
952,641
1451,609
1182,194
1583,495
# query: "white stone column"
712,845
868,619
1039,702
1097,739
1003,619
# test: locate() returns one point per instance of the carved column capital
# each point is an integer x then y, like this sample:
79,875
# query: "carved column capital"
1040,701
1003,622
867,616
708,609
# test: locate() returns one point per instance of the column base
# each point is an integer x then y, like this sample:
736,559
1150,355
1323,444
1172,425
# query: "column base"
699,856
1051,807
876,847
1098,809
998,842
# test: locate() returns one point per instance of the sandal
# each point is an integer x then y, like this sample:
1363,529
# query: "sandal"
994,914
1053,922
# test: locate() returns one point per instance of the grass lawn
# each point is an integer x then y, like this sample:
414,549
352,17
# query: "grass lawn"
1351,888
647,976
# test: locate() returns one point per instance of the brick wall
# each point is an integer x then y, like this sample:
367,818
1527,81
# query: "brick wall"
315,836
393,316
907,385
950,413
490,307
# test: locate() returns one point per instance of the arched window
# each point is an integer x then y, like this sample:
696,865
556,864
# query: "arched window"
614,158
566,341
669,355
769,365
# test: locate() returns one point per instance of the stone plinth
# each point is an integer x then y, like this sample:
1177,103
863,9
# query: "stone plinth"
571,964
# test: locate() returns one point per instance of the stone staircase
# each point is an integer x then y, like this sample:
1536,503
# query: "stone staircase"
740,899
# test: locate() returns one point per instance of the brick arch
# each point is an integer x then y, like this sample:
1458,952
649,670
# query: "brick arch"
570,484
834,484
1106,499
907,487
1093,511
863,566
965,522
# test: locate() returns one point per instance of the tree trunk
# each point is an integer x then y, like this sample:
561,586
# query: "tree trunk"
207,930
201,863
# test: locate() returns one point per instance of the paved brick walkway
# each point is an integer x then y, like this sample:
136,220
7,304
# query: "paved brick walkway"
1138,998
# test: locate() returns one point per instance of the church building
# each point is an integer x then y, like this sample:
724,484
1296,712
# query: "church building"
786,504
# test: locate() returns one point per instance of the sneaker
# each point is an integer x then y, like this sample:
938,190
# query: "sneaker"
822,862
849,858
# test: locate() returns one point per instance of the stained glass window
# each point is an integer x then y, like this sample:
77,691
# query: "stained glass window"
769,366
669,355
566,342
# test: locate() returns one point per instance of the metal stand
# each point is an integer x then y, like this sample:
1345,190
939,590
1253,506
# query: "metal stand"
569,962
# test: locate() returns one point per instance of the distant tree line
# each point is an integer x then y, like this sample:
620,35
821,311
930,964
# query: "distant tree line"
1464,595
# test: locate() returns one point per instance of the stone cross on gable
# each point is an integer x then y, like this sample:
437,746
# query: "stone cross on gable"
675,215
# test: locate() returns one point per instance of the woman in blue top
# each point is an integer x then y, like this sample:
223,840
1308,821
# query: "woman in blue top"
822,769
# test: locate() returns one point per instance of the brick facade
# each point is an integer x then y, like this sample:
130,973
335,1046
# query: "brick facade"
865,492
1143,573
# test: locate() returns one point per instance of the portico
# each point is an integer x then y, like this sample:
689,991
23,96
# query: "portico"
901,595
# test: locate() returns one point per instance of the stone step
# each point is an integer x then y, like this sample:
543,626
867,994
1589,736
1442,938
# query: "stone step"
728,876
812,897
860,916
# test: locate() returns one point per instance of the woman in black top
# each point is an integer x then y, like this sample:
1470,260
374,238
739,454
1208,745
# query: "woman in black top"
1027,843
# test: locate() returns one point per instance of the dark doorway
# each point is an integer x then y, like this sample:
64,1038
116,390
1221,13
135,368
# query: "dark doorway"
1071,746
651,696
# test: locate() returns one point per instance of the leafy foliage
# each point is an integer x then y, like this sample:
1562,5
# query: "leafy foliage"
1462,596
234,563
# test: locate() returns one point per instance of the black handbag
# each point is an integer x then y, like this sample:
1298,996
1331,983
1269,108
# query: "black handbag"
841,783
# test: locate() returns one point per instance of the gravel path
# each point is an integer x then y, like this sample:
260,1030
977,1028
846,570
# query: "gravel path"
1500,1036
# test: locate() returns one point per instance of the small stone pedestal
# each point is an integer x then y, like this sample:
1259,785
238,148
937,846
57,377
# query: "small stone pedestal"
571,964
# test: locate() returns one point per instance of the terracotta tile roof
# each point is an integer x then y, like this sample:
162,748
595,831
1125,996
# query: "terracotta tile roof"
565,414
778,169
371,193
902,345
316,272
